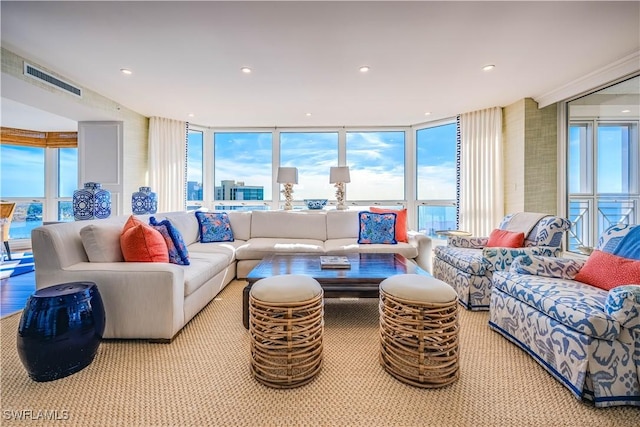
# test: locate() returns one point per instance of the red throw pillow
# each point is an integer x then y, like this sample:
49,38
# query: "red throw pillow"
142,243
401,221
606,271
505,239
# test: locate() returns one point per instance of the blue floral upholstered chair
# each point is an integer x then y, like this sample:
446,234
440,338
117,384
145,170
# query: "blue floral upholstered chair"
467,264
579,319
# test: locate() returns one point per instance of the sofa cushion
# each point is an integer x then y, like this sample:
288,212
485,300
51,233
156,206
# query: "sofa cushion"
240,224
401,221
257,248
342,224
177,249
613,236
536,265
547,232
141,243
202,270
186,223
629,246
214,227
505,239
102,242
199,250
606,271
576,305
289,225
377,228
342,246
468,260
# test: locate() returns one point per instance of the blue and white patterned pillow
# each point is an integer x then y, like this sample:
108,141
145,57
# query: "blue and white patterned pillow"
178,253
377,228
214,227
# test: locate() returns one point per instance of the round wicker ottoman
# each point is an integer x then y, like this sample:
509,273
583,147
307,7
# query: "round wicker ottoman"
419,330
286,325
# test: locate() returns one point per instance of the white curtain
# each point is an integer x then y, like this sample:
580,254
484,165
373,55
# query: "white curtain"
167,162
481,171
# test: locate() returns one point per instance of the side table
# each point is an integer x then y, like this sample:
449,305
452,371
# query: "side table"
60,330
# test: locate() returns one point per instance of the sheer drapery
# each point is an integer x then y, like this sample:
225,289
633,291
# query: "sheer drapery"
481,201
167,162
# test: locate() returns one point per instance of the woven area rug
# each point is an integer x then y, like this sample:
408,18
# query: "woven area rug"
20,263
203,379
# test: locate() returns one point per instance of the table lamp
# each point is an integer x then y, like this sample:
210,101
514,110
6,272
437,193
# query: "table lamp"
339,175
288,177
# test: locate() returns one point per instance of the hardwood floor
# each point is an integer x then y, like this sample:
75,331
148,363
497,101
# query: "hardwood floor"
14,292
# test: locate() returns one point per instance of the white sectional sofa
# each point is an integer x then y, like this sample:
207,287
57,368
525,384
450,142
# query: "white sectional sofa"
154,301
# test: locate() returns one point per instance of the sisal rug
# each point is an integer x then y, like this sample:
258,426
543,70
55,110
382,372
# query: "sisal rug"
203,379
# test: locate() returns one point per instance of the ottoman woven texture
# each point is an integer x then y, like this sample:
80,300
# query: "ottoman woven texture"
286,325
419,330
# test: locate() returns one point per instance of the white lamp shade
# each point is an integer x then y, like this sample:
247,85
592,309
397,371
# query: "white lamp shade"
287,175
339,174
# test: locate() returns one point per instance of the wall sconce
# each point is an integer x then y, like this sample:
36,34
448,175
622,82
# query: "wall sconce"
339,175
288,177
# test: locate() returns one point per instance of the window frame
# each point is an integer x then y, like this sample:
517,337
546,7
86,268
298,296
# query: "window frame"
591,197
410,161
51,199
437,239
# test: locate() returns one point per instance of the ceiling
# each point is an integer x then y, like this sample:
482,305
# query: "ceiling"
305,56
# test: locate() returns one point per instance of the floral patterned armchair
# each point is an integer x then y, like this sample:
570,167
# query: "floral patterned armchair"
467,264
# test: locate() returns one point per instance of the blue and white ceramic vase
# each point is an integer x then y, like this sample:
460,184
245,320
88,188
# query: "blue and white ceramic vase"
91,202
144,201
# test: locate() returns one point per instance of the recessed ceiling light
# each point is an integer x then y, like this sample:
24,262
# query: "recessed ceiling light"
191,115
428,113
488,67
364,69
626,111
246,70
308,114
126,71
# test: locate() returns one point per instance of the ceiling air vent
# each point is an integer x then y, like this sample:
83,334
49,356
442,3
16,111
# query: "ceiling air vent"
31,71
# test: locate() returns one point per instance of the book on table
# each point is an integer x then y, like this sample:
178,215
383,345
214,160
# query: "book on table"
334,262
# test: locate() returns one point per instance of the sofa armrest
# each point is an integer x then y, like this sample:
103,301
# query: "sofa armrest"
500,259
142,300
467,242
623,304
545,266
423,243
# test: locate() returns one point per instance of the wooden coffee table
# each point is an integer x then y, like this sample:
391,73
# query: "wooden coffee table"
361,280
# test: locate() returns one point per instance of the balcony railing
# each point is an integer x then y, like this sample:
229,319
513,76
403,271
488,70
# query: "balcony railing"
591,216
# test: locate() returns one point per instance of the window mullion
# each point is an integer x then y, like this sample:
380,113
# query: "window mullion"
51,184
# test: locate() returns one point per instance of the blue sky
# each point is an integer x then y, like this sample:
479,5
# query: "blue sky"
376,161
613,154
23,173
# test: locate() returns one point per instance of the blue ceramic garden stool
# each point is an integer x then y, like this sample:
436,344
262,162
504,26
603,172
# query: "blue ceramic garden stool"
60,330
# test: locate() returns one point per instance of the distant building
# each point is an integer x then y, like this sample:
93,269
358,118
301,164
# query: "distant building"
194,190
232,190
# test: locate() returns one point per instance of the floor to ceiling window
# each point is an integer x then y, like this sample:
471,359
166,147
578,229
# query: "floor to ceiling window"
195,178
41,181
603,158
313,153
67,181
242,170
237,169
436,178
376,165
